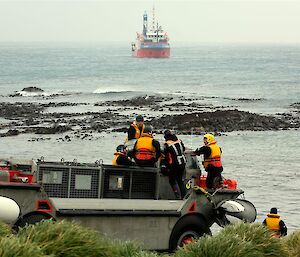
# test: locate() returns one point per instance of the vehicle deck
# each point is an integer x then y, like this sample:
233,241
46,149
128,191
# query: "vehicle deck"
79,206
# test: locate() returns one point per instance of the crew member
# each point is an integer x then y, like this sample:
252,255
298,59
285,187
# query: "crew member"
136,128
175,162
120,156
146,150
212,161
275,224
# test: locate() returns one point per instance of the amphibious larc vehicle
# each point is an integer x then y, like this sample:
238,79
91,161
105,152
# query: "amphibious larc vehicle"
127,203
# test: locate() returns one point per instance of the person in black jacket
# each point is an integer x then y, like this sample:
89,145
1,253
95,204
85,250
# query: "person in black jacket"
212,161
120,156
174,160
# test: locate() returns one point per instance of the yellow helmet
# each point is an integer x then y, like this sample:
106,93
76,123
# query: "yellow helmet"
210,138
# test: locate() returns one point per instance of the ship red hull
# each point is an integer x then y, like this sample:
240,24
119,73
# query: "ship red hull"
152,53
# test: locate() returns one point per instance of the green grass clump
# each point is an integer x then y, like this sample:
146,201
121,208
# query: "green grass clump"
5,230
238,240
149,254
65,239
123,249
12,247
258,235
292,243
129,249
219,246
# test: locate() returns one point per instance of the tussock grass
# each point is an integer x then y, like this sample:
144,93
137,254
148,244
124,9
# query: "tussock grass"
219,246
292,243
65,239
123,249
129,249
239,240
11,246
56,239
5,230
259,236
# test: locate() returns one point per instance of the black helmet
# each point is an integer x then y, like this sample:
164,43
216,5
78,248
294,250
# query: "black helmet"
139,118
273,210
148,129
167,134
121,148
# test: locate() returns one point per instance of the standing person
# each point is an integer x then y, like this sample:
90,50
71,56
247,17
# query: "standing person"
212,160
275,224
136,128
120,156
146,151
175,162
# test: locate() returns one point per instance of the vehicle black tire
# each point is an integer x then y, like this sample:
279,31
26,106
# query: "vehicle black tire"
188,228
31,218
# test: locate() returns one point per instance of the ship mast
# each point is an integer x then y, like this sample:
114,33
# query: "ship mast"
153,19
145,24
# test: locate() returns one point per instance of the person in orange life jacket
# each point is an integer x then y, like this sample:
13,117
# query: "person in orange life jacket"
174,162
275,224
120,156
212,159
136,128
146,150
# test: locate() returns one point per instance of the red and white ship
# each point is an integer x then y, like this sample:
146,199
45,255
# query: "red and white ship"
153,42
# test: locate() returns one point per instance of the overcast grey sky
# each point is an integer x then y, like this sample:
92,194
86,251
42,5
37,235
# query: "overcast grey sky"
203,21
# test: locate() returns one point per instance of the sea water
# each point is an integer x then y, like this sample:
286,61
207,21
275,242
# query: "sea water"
265,164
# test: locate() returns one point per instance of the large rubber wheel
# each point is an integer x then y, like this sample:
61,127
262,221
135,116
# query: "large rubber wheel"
31,218
186,230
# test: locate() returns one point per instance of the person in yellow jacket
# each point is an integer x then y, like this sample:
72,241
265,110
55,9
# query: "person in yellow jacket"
146,149
212,161
136,128
120,156
275,224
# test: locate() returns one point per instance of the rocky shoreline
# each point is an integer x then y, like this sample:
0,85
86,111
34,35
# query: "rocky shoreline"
184,115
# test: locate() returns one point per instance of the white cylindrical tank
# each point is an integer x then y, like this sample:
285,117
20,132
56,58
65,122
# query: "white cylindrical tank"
9,210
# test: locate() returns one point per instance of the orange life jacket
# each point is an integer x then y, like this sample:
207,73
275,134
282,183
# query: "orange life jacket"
144,148
272,222
138,132
215,157
116,155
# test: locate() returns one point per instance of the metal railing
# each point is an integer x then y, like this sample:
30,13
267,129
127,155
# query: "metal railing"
76,180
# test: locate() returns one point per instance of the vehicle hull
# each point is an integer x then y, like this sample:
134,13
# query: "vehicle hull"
152,53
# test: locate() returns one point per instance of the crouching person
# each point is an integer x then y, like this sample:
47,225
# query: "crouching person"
120,156
275,224
146,151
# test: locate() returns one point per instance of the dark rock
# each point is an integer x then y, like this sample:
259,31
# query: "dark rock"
139,101
32,90
20,110
11,132
218,121
52,130
248,99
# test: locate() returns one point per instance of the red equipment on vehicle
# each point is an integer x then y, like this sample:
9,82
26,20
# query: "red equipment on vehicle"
227,183
10,173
